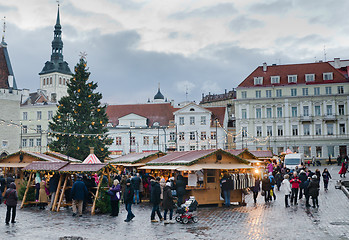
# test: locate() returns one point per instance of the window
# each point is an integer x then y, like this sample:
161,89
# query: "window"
275,79
38,128
305,91
330,151
203,136
258,94
38,115
295,149
243,114
24,142
49,115
63,81
192,120
146,140
316,91
258,80
294,111
203,147
181,148
192,148
317,111
294,130
24,129
342,128
133,140
31,142
309,77
155,140
269,113
60,80
172,136
259,131
328,76
181,136
118,141
340,89
25,116
279,112
293,92
4,144
280,150
203,120
280,131
192,135
132,124
307,151
292,78
278,93
268,93
243,94
43,81
258,113
269,131
181,120
305,111
318,150
328,90
318,129
306,129
213,135
244,132
341,109
50,80
329,110
38,142
211,175
329,129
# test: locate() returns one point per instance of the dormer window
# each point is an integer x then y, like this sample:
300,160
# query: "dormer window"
309,77
292,78
328,76
192,110
275,79
258,80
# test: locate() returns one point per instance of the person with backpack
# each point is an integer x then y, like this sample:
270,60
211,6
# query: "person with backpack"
326,177
11,198
272,184
115,197
266,187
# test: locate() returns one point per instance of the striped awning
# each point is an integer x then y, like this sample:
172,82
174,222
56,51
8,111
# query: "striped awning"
91,159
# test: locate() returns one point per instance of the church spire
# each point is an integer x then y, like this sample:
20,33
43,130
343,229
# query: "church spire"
57,43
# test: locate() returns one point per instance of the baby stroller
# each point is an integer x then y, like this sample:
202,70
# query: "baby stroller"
185,211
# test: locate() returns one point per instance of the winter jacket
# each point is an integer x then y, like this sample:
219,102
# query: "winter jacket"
266,185
115,189
314,188
162,186
136,182
53,183
42,193
225,184
167,202
295,182
2,184
270,167
128,195
180,185
278,179
302,177
79,190
257,186
155,192
272,181
9,180
306,189
286,186
326,176
11,195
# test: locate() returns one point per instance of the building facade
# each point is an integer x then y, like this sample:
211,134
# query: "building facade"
302,107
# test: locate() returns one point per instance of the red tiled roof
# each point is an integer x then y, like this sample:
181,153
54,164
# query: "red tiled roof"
4,72
217,112
161,113
45,166
294,69
262,153
83,167
133,157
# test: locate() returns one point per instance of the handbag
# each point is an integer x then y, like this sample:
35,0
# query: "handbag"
174,193
263,193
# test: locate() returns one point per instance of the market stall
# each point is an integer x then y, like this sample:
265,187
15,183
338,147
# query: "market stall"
202,171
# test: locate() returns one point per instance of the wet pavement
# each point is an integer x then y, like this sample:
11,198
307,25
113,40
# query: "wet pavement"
261,221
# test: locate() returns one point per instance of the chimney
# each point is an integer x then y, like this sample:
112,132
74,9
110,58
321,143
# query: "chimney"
264,67
92,150
337,62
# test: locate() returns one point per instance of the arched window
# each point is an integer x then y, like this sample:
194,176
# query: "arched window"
43,81
60,80
63,81
50,80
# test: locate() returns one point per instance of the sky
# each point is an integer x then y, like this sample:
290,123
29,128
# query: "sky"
185,45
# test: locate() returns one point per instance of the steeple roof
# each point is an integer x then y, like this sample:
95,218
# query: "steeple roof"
57,64
159,95
7,78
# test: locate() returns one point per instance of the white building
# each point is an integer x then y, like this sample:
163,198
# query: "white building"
303,107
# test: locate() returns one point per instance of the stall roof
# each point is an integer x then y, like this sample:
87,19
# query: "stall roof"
133,158
132,164
91,159
62,157
38,156
45,166
83,167
213,166
262,153
162,167
14,165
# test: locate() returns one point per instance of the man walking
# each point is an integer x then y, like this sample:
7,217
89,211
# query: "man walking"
136,182
78,193
155,199
128,200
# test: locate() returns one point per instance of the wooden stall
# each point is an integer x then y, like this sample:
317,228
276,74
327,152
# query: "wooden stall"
63,157
202,170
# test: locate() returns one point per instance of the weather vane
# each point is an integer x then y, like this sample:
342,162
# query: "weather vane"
57,2
4,29
83,55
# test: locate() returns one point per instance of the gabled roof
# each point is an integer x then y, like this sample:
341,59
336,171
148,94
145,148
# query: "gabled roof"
5,68
91,159
161,112
262,153
45,166
36,97
38,156
134,157
294,69
62,156
82,167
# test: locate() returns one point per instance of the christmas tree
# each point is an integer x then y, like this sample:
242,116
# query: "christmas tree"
80,121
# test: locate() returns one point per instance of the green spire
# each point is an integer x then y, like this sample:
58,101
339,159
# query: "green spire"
57,43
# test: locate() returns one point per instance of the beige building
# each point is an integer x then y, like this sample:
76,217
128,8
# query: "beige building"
303,107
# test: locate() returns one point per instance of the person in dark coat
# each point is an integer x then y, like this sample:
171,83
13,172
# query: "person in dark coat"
9,180
180,188
314,190
11,198
128,200
78,194
2,186
155,199
256,188
278,179
302,177
53,184
306,192
266,187
225,186
136,183
167,202
115,198
326,177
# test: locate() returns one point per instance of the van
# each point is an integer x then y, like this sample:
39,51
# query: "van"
293,160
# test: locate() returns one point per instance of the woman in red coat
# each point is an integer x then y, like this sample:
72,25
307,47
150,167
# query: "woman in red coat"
343,169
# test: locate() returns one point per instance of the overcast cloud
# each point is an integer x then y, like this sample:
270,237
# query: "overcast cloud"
194,46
